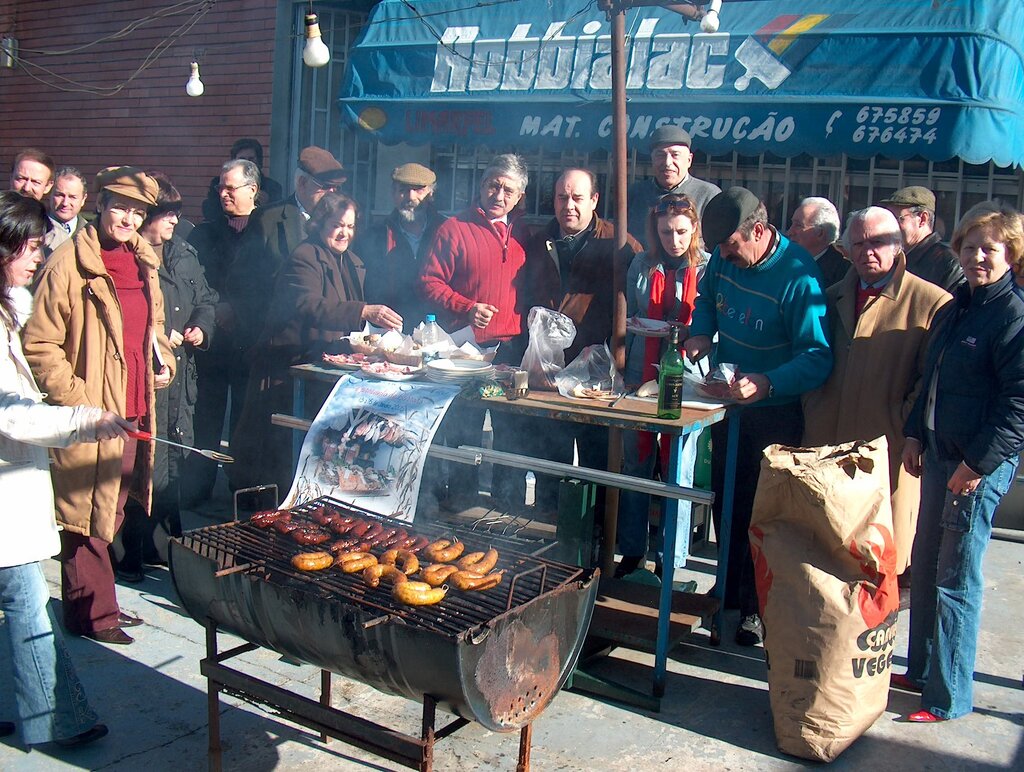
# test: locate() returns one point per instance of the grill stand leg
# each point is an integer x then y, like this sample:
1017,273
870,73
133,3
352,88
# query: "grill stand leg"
212,703
325,699
525,742
427,735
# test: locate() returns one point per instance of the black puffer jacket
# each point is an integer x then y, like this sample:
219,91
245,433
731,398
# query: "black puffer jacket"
979,408
188,302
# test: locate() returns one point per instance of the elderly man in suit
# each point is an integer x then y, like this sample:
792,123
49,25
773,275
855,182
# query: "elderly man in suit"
815,227
282,225
880,315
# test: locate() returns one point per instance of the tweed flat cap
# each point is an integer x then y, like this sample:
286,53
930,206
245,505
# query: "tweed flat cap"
668,135
128,181
321,165
724,213
914,195
416,175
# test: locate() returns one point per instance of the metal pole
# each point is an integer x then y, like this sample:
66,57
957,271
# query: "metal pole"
617,16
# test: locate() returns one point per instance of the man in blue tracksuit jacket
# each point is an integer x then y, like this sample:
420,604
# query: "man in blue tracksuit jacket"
762,294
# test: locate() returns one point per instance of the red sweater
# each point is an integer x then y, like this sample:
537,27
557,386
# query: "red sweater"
468,264
127,276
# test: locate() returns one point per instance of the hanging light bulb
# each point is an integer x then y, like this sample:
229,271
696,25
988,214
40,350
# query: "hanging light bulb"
315,54
194,87
710,21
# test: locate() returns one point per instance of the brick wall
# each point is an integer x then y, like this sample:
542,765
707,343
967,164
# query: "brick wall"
150,122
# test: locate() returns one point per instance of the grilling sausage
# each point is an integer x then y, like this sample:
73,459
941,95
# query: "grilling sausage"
374,574
444,550
266,518
308,535
407,563
359,529
373,531
400,535
479,562
285,524
354,562
313,561
418,593
467,580
437,574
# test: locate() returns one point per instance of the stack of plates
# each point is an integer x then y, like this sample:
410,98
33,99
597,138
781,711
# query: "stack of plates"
458,370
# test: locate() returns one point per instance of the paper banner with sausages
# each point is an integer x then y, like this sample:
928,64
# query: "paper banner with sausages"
368,443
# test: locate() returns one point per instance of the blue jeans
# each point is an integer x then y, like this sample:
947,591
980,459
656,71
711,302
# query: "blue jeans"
634,507
50,700
946,585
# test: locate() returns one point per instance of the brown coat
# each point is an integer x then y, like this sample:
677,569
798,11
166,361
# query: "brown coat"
73,342
879,359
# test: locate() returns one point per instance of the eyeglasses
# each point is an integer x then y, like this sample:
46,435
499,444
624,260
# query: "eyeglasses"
675,204
232,188
904,216
131,211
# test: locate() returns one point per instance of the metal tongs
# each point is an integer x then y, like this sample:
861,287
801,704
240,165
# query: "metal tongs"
210,454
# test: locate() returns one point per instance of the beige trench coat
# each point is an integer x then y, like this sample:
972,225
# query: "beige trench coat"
73,342
879,359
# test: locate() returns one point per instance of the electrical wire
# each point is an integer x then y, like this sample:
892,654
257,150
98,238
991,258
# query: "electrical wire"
55,80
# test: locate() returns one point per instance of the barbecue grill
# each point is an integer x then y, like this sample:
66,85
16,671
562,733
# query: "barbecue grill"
496,657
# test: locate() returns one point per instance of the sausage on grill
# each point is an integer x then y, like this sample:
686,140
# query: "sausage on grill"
313,561
418,593
467,580
479,562
444,550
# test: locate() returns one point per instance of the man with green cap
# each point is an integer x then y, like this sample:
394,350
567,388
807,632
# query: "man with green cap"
394,249
927,256
761,293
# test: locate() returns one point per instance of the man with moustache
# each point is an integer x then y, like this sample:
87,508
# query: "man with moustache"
762,294
671,158
66,201
393,251
32,173
473,275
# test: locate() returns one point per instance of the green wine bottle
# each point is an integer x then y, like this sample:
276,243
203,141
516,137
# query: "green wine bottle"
670,378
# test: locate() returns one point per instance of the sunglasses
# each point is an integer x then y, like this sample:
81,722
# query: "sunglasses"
674,205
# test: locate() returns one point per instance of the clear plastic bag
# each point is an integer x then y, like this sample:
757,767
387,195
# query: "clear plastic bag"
591,375
550,334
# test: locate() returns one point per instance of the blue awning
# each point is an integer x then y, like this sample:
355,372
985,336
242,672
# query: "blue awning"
862,77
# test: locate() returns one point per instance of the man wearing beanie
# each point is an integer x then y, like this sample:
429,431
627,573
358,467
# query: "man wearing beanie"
96,337
762,295
281,225
671,157
927,256
394,249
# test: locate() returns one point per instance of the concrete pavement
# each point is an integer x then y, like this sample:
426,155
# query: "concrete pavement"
715,714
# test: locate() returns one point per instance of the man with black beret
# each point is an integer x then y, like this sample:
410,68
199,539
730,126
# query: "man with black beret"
669,147
762,295
281,224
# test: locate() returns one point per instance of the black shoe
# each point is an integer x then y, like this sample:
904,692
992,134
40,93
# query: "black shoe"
124,619
6,728
131,577
751,631
628,565
86,737
113,635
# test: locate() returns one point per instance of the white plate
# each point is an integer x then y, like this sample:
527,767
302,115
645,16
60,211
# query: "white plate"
647,328
459,366
390,375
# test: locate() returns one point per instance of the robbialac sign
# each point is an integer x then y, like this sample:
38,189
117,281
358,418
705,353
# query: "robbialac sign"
825,77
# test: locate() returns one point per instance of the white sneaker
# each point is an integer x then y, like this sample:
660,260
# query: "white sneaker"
751,631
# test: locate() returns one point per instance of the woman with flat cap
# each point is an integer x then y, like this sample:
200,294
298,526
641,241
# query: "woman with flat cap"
96,338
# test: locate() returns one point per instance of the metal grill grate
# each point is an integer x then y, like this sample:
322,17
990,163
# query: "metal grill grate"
265,555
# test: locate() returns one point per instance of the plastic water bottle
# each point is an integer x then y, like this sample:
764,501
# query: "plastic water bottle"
430,338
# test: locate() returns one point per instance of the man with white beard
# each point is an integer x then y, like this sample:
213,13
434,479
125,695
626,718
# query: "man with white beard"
393,250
